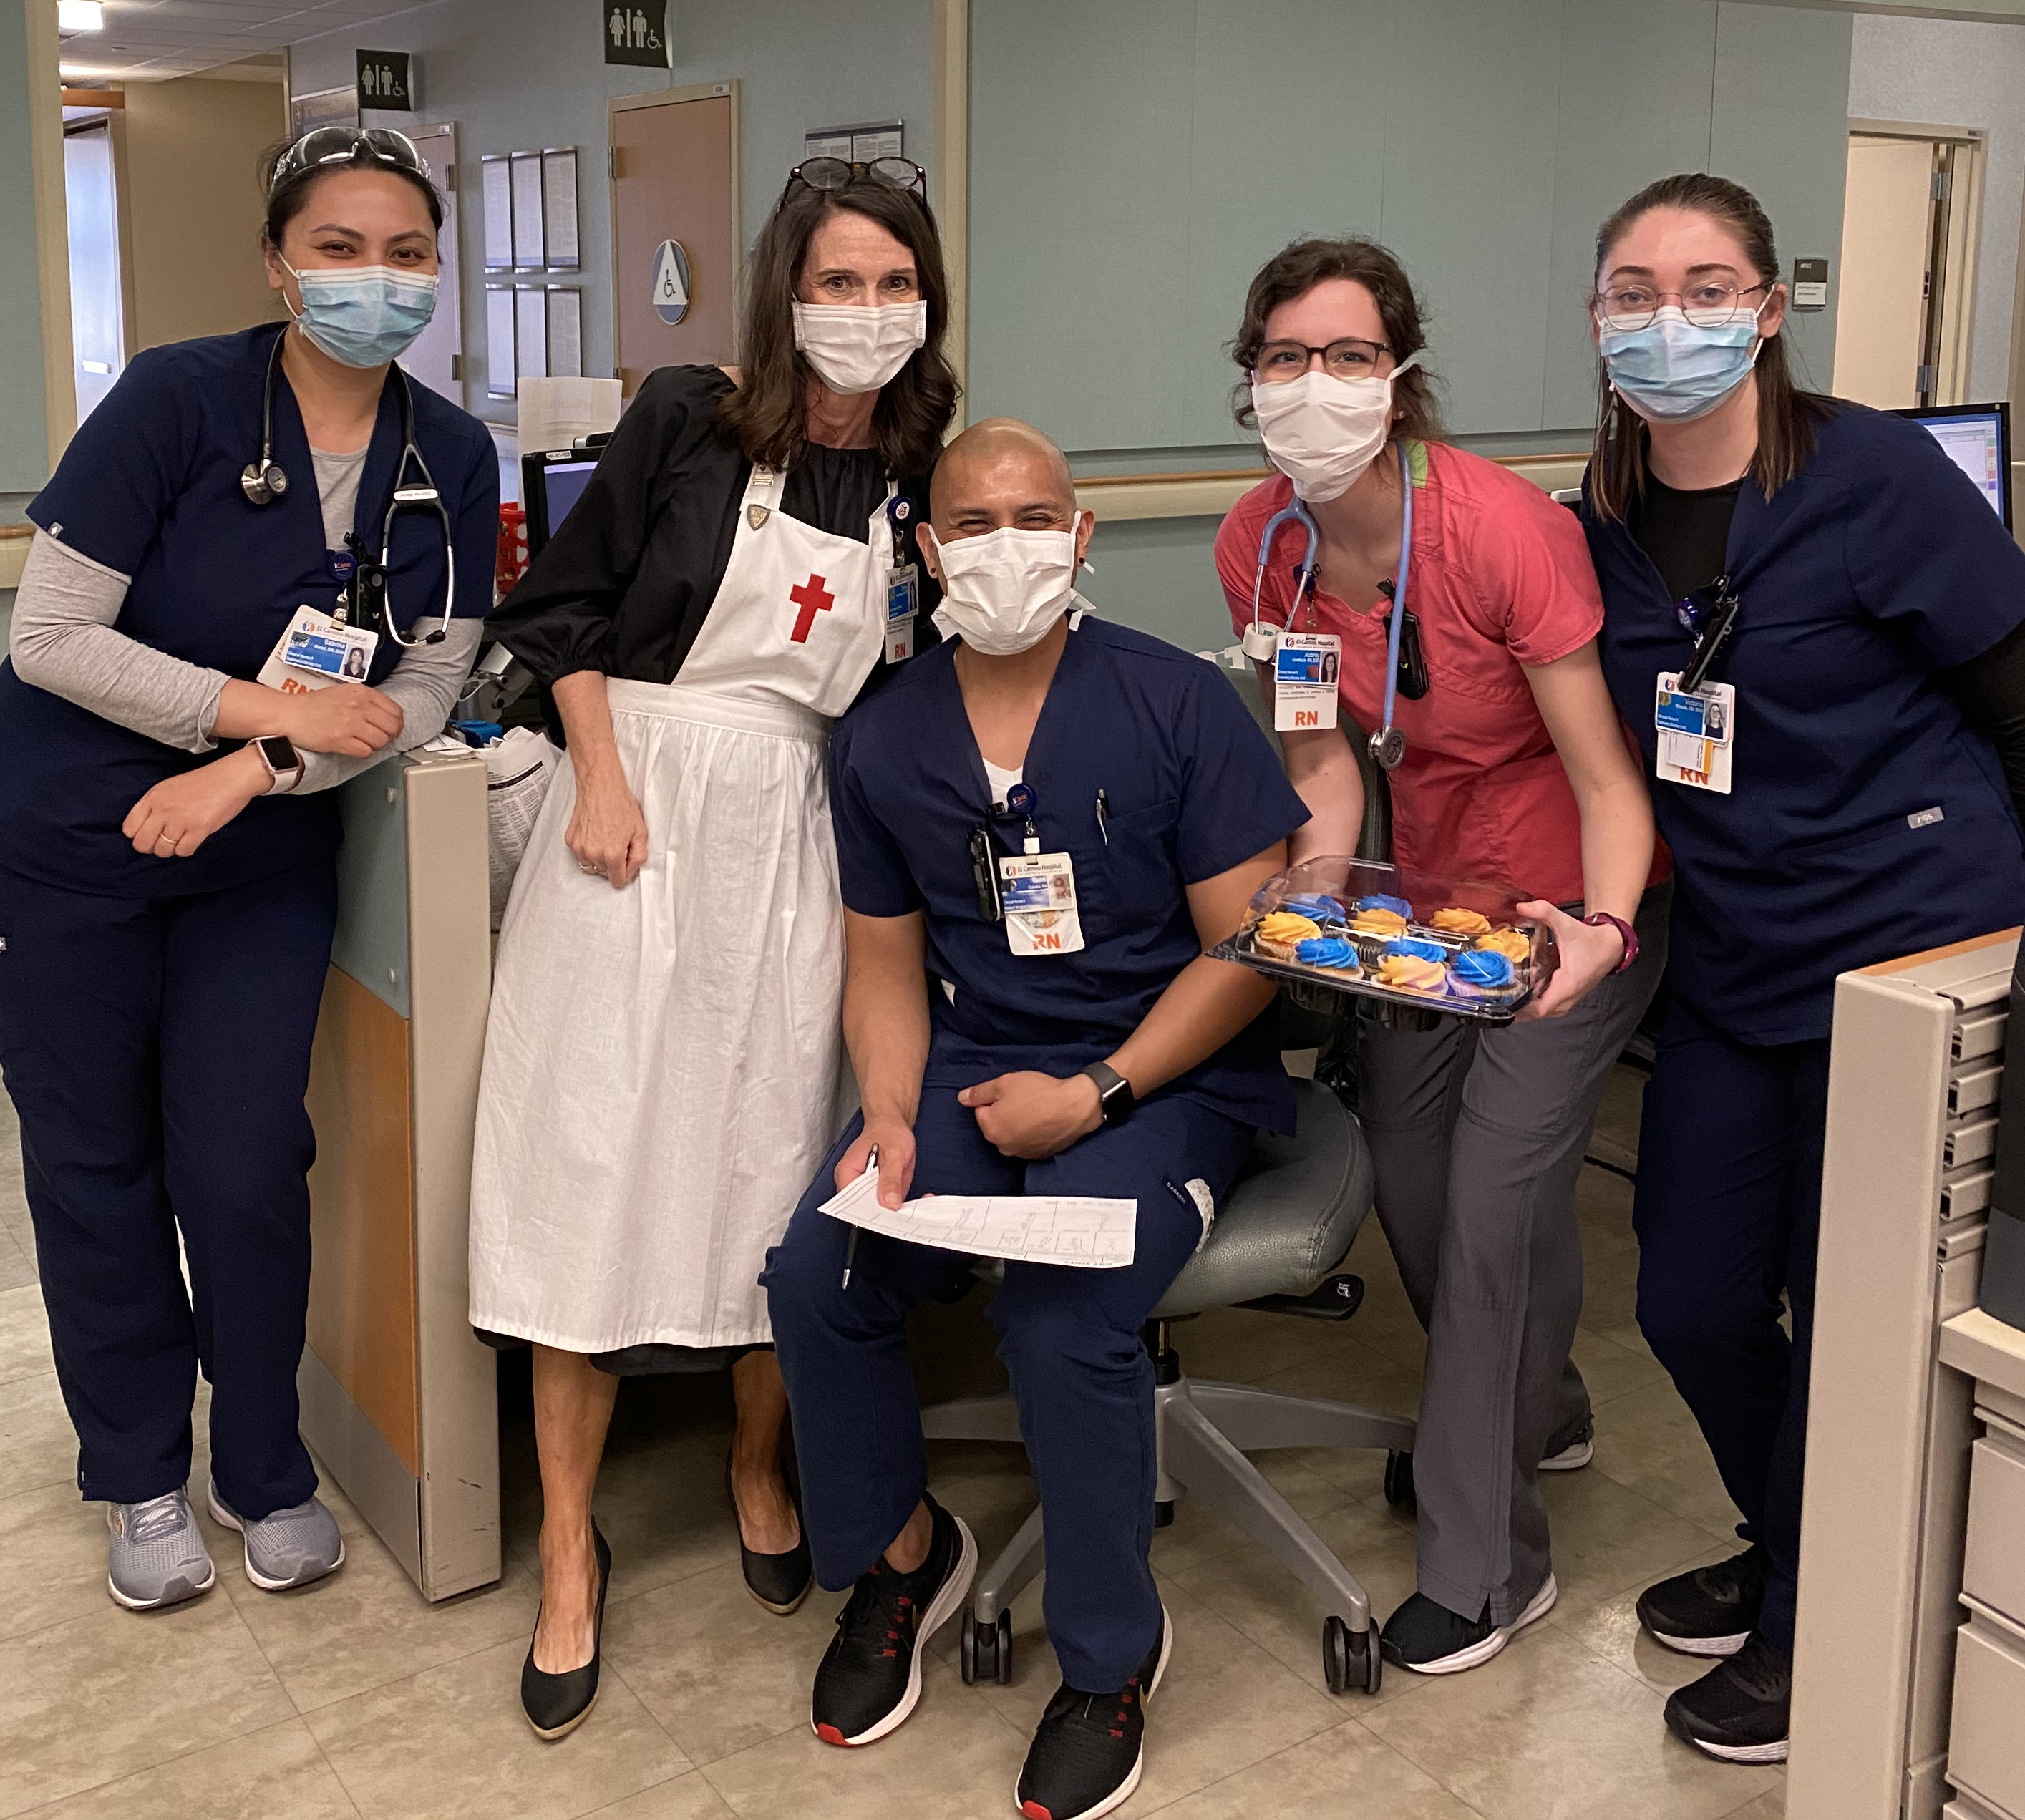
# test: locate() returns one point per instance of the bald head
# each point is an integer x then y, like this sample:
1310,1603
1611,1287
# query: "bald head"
997,473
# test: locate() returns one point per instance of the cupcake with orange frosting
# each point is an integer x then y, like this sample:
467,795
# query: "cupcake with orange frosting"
1472,923
1412,973
1515,944
1281,932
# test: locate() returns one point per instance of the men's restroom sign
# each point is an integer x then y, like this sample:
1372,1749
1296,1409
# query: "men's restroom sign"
671,283
635,31
386,80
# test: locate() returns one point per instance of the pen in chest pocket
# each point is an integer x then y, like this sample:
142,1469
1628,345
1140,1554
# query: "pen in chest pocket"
1103,817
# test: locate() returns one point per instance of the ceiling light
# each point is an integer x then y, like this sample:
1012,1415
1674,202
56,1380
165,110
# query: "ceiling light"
74,16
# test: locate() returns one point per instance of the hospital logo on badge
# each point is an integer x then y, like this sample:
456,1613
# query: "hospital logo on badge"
812,597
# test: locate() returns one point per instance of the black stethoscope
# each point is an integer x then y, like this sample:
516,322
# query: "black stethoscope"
1387,746
265,480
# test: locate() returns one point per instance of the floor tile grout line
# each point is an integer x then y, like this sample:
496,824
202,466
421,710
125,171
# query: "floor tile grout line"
174,1757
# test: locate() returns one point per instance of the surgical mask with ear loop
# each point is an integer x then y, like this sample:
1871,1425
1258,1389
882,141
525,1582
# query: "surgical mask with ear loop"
362,315
1002,592
1673,371
857,347
1321,431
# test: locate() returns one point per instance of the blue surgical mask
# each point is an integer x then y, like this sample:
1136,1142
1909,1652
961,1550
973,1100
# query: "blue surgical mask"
1671,370
364,315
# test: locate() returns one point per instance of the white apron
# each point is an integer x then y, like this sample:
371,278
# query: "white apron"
662,1063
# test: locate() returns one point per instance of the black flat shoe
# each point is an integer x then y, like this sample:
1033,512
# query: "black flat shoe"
779,1581
556,1704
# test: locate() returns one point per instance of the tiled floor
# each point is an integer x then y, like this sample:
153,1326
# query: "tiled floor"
356,1699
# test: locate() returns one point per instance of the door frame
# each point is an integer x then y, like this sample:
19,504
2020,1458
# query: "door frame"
1954,253
663,98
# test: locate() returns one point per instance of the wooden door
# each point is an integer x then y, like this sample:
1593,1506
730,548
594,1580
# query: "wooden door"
674,176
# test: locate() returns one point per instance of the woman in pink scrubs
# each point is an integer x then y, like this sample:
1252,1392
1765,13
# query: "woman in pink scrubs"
1515,769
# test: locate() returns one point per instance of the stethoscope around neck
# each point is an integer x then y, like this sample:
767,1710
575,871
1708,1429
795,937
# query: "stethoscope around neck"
1388,745
265,480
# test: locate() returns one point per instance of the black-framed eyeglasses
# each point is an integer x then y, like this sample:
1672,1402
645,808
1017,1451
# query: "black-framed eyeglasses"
1278,361
1710,305
326,145
836,173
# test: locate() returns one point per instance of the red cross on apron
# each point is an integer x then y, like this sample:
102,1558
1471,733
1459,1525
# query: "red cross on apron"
813,597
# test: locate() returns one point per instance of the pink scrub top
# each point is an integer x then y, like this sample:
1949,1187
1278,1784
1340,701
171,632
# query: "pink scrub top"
1500,579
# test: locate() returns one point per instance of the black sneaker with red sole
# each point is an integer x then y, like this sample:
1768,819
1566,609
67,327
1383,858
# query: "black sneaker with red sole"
1089,1748
870,1676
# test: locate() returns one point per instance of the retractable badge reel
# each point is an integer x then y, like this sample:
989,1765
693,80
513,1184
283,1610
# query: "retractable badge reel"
903,588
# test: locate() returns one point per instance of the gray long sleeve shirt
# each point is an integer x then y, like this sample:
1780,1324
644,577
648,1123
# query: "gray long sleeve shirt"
63,640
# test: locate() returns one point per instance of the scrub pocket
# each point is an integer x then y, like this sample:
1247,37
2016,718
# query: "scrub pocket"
1139,863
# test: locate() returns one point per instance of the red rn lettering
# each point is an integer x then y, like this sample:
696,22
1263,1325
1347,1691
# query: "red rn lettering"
1307,717
1053,942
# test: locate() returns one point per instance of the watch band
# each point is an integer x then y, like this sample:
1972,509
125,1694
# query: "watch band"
1603,920
1115,1099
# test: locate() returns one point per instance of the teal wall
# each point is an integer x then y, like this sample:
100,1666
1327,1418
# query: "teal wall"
518,74
1132,164
24,422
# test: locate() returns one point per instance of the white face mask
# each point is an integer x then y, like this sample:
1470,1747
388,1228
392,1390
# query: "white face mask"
1002,592
1322,432
857,347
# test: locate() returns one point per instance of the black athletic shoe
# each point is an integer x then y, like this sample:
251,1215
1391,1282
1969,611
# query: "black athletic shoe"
1088,1749
1708,1611
870,1677
1431,1639
1738,1710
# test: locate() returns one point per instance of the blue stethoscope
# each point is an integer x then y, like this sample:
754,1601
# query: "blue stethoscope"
1388,745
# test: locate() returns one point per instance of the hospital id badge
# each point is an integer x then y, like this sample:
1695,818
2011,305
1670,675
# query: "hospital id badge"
903,597
1305,669
1695,733
1039,896
315,650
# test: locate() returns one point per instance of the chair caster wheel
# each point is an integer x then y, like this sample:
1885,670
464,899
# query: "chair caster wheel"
1164,1512
1351,1658
1399,1480
985,1651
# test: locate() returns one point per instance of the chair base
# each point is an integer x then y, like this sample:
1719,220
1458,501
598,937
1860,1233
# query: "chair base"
1202,1430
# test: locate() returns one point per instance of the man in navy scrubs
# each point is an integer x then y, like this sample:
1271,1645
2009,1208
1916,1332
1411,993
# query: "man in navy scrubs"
1040,827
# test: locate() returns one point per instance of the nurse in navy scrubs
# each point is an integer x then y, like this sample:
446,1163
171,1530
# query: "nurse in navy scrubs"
1837,785
167,836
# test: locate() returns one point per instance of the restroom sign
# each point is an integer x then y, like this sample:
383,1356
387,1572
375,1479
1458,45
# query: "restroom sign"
635,31
671,283
386,81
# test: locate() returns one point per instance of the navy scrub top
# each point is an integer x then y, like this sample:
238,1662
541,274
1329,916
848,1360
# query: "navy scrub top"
1866,820
1194,788
149,486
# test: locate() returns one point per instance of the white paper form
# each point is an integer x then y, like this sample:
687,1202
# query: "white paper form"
1087,1233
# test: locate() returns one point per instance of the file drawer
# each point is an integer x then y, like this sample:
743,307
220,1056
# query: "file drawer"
1983,1754
1993,1566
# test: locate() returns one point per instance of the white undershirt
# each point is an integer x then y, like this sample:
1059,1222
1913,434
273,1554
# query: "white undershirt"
1000,779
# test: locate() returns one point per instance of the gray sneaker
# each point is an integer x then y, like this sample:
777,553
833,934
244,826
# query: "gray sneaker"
155,1556
289,1548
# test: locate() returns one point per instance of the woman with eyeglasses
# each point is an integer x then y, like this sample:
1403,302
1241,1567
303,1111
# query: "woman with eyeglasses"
1514,770
196,658
1814,626
664,1063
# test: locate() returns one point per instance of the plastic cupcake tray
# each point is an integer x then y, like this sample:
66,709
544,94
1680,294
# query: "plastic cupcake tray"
1373,931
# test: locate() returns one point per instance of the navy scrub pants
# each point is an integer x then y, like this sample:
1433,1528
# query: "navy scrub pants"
1728,1214
1069,1339
157,1052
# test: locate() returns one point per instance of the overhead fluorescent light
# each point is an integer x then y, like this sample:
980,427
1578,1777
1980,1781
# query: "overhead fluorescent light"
76,16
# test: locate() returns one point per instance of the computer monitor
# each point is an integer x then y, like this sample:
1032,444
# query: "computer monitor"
551,483
1977,439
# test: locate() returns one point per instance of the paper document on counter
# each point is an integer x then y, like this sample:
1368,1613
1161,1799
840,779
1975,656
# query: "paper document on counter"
1090,1234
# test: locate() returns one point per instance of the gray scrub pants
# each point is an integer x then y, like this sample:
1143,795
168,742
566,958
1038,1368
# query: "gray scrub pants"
1476,1135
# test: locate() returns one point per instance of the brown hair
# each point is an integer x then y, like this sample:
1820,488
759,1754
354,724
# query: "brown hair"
764,413
1787,414
1294,271
288,198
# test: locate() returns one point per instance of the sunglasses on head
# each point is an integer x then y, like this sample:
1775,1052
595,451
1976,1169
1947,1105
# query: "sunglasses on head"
345,145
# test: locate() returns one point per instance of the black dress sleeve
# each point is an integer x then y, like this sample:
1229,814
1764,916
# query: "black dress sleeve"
558,619
1991,691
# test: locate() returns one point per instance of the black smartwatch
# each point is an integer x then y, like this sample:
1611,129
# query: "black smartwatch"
1114,1092
283,763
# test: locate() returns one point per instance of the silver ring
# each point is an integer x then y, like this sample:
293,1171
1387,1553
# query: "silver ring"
595,872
